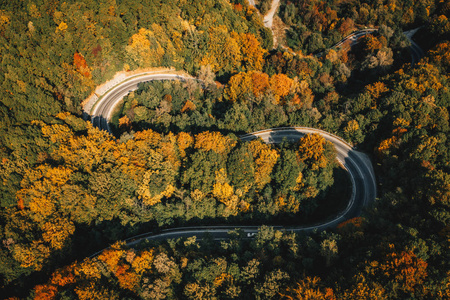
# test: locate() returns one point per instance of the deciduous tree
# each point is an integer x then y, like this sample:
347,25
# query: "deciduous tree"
310,289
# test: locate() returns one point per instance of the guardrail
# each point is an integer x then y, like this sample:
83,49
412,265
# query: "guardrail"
323,132
117,80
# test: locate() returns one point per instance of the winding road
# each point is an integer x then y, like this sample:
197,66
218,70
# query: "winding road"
353,38
102,110
356,163
416,51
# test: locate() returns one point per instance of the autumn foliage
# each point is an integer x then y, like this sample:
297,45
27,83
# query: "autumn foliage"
312,147
68,189
243,85
81,65
357,222
310,289
45,292
265,160
281,86
231,51
406,269
213,141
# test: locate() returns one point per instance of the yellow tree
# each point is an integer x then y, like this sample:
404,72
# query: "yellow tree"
224,192
260,83
57,133
88,269
184,141
41,190
222,189
265,159
281,86
401,272
439,190
4,20
167,42
112,256
247,83
32,255
406,269
94,291
252,53
143,262
371,43
158,180
188,106
376,90
168,148
57,231
305,95
310,288
88,150
223,50
365,289
239,86
386,145
214,141
311,147
144,50
351,127
125,123
440,54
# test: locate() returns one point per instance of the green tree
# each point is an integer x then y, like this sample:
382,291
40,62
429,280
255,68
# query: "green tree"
240,167
200,171
287,171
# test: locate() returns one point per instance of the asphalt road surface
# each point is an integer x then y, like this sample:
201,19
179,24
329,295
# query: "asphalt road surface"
102,111
353,38
416,51
356,163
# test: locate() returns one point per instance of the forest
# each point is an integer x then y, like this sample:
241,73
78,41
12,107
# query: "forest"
69,190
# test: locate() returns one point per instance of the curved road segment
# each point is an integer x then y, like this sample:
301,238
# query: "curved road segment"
354,37
357,164
416,52
103,109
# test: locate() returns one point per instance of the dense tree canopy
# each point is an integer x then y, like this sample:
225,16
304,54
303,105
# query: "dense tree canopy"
68,189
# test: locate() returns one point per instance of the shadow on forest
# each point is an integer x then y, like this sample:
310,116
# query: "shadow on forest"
89,239
163,129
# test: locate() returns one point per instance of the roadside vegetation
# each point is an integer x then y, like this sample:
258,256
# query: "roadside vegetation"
68,189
